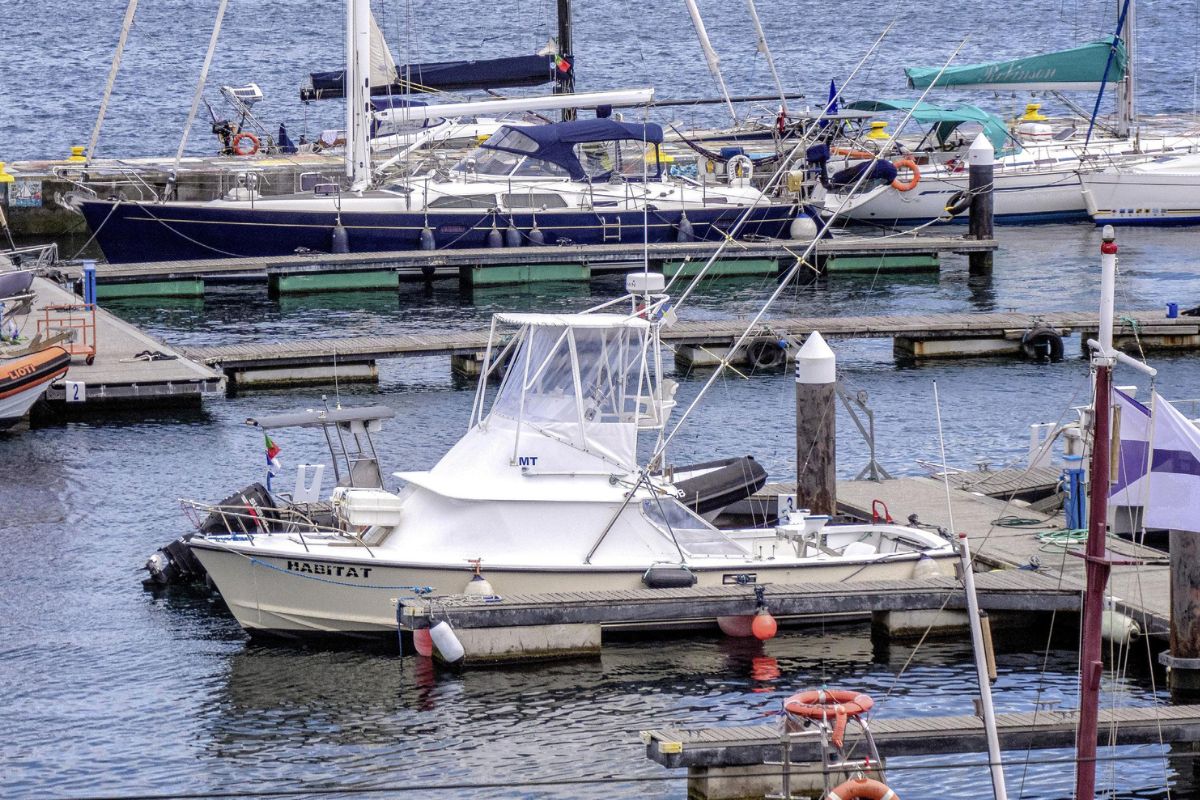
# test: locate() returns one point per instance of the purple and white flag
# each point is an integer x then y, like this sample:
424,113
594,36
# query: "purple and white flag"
1173,500
1129,486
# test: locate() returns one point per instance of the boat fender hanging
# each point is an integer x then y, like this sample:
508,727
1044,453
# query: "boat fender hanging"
669,576
860,787
447,643
764,625
1042,344
536,236
765,353
959,202
911,183
684,231
494,237
244,143
339,239
423,642
428,242
740,167
512,236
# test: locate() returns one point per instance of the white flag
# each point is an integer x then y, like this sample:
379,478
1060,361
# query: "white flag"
1173,501
1129,486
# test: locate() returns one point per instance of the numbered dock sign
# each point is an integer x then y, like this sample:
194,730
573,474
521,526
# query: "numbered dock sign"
25,193
76,391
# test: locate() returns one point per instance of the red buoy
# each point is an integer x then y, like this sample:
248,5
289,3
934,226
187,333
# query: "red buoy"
764,626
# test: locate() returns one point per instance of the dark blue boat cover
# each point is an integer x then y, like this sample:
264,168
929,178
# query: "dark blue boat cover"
449,76
556,142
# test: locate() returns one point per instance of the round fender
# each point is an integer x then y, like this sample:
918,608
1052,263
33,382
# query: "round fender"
1042,344
765,353
959,202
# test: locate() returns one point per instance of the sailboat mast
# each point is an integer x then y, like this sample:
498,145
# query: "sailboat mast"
564,82
1091,663
358,93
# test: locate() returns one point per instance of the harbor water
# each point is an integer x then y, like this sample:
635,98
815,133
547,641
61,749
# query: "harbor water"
113,691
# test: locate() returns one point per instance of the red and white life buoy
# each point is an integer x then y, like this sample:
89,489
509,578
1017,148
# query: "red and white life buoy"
244,144
826,704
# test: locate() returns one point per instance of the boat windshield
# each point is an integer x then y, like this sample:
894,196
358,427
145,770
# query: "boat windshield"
693,535
583,384
628,158
502,163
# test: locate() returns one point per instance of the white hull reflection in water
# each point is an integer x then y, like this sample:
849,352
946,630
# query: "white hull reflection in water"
545,491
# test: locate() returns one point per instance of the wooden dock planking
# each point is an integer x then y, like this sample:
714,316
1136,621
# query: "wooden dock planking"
416,263
753,745
115,373
712,333
998,591
1141,591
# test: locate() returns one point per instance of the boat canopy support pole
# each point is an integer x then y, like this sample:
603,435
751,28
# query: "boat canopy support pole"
126,24
199,93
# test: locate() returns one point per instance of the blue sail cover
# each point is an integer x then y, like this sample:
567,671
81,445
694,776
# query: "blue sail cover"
556,142
448,76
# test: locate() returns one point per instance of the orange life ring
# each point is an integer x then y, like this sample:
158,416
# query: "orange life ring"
906,186
861,787
236,144
846,151
821,704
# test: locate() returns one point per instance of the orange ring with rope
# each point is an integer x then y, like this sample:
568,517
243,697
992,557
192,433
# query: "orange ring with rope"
822,704
861,787
238,147
909,185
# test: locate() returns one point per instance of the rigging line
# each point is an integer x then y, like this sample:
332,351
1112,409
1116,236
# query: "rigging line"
126,24
773,181
203,79
794,269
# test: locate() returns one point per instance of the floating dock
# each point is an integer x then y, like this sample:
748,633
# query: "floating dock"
747,761
129,367
473,267
701,343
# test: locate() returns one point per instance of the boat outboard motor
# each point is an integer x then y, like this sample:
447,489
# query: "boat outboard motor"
173,565
817,158
878,171
246,511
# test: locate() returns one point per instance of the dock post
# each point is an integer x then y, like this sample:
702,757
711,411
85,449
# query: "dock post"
1184,655
981,158
816,432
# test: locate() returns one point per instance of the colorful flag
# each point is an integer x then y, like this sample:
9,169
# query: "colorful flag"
561,63
273,449
1173,499
1129,486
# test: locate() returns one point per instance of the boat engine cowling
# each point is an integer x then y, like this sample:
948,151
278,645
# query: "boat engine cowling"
245,511
173,565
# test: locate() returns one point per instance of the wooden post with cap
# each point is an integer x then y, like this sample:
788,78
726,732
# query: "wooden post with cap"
816,430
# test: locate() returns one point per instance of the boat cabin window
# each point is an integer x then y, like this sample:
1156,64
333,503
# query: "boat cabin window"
534,200
628,158
512,139
695,536
464,201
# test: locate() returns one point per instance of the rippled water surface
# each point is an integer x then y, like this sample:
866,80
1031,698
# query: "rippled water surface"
112,691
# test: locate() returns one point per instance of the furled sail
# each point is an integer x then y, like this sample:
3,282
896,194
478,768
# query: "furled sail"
449,76
1080,68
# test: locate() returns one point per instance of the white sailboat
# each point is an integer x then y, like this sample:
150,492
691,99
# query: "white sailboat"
1165,191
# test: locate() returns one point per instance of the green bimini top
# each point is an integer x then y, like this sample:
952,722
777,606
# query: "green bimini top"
946,118
1080,68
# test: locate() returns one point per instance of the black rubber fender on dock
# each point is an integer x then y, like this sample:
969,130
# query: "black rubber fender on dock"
765,353
1042,343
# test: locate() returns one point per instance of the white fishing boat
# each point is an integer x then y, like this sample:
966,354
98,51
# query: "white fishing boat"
545,491
1165,191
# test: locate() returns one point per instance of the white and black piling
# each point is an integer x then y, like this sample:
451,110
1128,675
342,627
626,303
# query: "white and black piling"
816,416
981,159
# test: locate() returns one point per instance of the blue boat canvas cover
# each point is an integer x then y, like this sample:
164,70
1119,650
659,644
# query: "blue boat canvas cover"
447,76
1079,68
556,142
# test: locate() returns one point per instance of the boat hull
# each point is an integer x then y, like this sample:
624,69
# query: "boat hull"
24,380
137,232
1133,198
289,595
